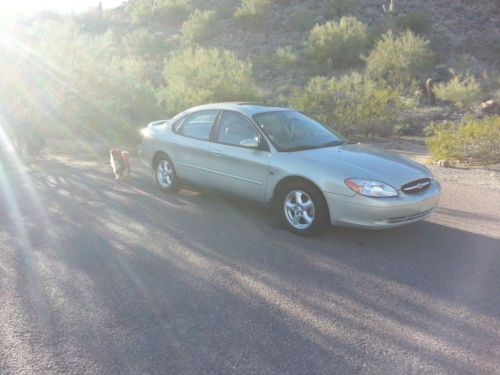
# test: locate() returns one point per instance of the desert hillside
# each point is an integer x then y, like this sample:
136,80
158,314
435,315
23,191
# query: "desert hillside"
361,66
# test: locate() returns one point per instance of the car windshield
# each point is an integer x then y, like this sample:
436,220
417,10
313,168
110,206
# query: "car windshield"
294,131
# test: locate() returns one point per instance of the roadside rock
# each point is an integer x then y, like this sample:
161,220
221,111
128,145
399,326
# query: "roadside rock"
490,106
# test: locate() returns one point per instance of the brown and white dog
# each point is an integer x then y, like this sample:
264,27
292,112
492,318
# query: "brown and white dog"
120,162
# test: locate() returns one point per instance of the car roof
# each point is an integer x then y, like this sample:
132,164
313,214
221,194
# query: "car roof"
246,108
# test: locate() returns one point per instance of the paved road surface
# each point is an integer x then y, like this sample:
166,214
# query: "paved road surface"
99,277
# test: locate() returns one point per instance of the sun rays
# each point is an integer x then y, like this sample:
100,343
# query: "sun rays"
50,94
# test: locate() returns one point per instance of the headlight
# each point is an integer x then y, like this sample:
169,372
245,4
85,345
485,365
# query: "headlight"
370,188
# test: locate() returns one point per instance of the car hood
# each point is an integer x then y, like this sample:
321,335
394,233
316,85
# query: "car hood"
363,161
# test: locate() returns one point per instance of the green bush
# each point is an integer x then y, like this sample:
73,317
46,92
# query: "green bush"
398,60
141,42
462,90
140,11
253,13
224,9
196,76
417,22
201,26
472,140
285,57
336,44
163,11
83,90
351,104
336,8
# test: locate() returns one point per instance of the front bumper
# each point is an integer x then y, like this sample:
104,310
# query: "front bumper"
380,213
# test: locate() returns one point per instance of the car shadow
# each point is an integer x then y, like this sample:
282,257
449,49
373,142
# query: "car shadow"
195,281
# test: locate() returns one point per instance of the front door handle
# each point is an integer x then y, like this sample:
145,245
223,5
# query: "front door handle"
217,153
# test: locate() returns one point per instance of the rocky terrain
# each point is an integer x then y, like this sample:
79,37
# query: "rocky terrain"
464,34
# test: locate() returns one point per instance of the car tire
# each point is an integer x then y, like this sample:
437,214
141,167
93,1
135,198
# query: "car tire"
302,208
165,176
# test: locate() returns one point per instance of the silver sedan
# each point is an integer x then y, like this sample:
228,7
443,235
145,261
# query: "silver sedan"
280,157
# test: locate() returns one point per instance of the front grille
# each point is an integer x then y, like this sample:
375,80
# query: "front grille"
416,186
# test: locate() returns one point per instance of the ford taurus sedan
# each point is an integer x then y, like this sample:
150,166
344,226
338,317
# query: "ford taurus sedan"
280,157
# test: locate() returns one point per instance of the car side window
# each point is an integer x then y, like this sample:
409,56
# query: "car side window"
234,128
177,124
198,125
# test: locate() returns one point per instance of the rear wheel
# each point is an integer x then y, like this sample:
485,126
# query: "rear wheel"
165,175
303,209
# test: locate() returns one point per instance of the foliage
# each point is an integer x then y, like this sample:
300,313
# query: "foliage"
170,12
196,76
398,60
252,13
341,43
92,20
351,104
201,25
285,57
336,8
142,42
82,88
473,140
224,9
417,22
462,90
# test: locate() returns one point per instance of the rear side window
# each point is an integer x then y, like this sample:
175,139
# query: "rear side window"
177,125
198,125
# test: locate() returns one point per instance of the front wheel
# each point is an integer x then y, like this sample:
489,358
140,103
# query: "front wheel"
303,209
165,175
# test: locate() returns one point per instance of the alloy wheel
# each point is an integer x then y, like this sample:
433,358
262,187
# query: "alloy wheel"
299,209
164,174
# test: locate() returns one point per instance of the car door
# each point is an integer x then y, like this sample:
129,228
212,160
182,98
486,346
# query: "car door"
236,169
191,147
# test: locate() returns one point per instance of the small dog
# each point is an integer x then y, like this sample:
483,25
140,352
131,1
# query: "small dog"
120,162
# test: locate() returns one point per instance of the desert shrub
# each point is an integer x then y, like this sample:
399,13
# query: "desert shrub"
253,13
462,90
336,43
351,104
472,140
162,11
398,60
302,18
142,42
417,22
277,64
93,20
173,11
196,76
285,57
336,8
84,89
201,25
140,11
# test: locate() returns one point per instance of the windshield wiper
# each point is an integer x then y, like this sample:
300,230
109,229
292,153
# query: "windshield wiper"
332,144
310,147
299,148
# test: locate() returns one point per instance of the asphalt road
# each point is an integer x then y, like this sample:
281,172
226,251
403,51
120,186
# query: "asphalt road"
98,277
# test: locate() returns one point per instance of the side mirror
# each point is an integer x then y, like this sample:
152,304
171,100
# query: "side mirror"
250,143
